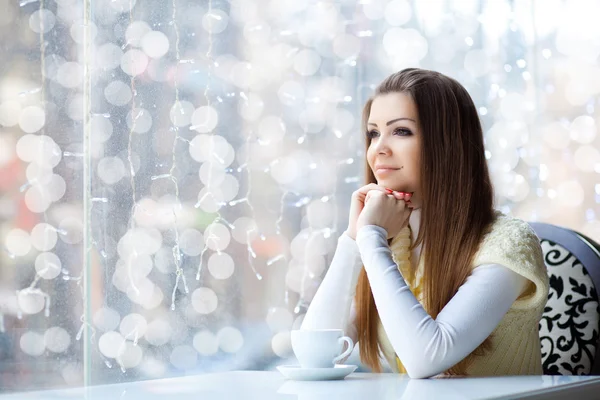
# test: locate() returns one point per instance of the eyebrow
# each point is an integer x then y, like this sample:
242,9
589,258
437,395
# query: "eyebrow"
392,121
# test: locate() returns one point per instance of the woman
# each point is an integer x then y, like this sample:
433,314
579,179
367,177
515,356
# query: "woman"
428,273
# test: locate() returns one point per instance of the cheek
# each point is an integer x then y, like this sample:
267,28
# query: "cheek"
415,158
370,154
415,164
413,169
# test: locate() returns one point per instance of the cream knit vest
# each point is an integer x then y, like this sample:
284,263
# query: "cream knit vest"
515,342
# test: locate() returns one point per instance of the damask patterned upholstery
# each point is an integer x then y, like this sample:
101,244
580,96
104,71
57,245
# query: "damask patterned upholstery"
570,325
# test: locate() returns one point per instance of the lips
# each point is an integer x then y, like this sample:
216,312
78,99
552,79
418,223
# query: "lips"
385,169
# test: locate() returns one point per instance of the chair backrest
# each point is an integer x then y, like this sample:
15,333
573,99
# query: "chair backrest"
570,325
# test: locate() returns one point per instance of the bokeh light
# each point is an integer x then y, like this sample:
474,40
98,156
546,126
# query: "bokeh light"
48,265
57,340
204,300
206,343
32,343
190,165
230,339
221,266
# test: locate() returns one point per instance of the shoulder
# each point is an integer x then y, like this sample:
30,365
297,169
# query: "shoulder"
510,238
512,243
510,233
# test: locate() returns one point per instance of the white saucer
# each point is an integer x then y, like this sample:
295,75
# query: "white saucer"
298,373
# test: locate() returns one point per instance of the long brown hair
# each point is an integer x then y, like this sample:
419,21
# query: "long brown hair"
457,198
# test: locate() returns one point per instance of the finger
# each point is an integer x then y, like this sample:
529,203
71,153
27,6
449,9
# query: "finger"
387,195
390,196
360,193
376,192
371,186
399,195
371,193
401,204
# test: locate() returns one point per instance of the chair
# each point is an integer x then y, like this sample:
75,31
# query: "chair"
570,325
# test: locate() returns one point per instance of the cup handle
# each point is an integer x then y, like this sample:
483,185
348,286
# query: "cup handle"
348,350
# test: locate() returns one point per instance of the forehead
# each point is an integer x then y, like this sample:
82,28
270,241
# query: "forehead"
392,105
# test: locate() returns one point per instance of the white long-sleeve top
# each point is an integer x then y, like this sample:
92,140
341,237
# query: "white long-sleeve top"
425,346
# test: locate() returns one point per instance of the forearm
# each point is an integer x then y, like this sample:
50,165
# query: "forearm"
330,307
426,346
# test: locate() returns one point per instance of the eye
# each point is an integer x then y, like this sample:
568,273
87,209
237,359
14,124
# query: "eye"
371,134
398,132
402,132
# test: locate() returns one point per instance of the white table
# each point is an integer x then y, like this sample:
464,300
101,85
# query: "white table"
267,385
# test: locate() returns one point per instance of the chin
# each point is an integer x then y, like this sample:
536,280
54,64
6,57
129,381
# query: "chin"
389,184
398,188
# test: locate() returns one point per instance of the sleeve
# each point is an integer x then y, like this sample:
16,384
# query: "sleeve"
332,306
426,346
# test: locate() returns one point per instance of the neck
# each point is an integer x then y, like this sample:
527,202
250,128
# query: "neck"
415,223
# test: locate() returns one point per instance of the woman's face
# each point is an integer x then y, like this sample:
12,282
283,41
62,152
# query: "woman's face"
394,153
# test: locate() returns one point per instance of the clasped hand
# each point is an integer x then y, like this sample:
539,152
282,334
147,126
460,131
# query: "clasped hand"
375,205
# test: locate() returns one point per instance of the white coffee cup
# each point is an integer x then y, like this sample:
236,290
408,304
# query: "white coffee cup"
320,348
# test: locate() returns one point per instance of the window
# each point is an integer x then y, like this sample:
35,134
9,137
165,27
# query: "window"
174,174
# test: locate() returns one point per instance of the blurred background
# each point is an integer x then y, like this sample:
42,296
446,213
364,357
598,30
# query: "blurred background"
174,174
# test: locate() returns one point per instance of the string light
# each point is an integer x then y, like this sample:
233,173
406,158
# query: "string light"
276,175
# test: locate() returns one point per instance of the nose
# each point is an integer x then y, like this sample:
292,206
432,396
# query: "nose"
382,146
